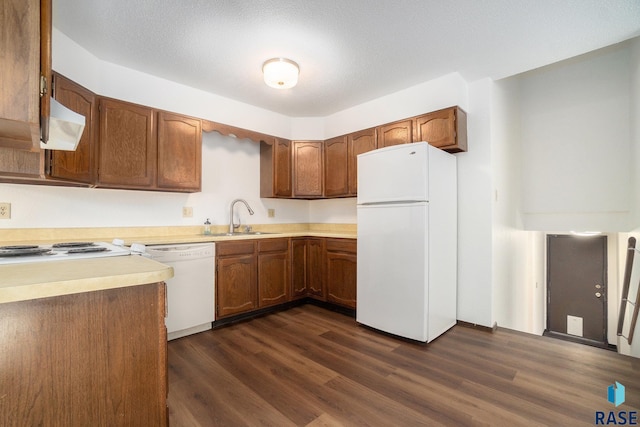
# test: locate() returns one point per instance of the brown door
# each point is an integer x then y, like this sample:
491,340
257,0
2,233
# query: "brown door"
577,287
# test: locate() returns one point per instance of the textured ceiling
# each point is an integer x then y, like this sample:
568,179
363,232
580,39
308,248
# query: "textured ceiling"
349,51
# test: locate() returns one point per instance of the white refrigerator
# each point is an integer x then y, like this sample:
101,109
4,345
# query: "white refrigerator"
407,241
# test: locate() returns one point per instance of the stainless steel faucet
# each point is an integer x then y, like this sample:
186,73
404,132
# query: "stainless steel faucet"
232,226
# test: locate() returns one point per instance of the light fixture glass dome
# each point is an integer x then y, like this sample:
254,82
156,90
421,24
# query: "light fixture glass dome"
280,73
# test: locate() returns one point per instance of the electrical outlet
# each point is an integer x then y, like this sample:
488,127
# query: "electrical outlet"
271,213
5,210
187,212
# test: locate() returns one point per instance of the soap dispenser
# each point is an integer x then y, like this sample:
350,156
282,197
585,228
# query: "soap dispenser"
207,227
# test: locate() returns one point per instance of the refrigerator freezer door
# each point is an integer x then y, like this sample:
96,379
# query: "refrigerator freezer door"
394,174
393,269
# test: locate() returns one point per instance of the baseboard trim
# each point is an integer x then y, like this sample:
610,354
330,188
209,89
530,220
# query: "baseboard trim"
579,340
483,328
225,321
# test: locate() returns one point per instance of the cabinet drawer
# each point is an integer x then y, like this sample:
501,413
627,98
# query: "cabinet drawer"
273,245
342,245
235,248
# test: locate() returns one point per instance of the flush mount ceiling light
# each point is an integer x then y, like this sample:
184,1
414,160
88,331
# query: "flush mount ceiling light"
280,73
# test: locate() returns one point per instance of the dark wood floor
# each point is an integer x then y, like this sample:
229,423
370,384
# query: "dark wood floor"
308,366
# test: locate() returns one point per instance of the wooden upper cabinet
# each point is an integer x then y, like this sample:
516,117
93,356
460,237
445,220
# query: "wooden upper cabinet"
359,142
275,168
127,145
445,129
25,45
336,167
46,74
307,169
179,152
395,133
78,165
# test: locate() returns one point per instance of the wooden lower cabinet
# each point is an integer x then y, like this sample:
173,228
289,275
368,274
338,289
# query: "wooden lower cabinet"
341,272
298,253
261,273
316,269
236,269
307,268
273,272
90,359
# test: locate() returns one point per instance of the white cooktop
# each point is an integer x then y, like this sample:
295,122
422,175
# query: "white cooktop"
19,254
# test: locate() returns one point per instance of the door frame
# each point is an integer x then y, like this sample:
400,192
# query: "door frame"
573,338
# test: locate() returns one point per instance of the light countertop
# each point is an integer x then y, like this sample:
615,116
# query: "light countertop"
21,282
169,235
201,238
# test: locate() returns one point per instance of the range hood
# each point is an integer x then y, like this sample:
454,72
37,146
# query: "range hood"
65,128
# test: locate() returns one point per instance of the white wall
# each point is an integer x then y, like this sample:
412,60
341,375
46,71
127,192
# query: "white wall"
623,346
550,102
475,289
518,266
576,140
435,94
230,169
107,79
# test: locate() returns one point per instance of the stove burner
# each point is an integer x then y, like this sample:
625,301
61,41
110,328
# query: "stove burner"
87,249
73,244
23,251
18,247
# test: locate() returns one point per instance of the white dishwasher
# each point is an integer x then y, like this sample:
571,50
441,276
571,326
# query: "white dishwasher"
191,291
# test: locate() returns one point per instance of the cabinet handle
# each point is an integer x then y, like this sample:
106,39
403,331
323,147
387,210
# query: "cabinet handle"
43,86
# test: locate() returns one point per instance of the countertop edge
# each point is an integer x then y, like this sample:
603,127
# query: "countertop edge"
22,282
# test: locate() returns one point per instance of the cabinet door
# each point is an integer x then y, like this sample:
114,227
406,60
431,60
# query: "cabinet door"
236,285
275,168
307,169
359,142
127,145
298,268
112,348
395,133
336,167
20,71
445,129
316,268
282,168
179,152
273,271
341,273
76,165
273,278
